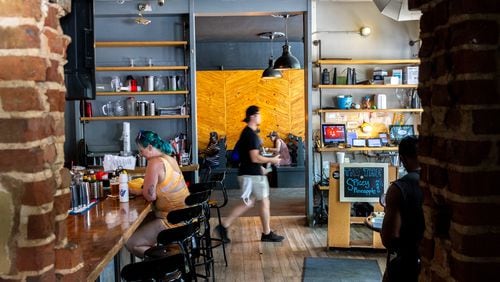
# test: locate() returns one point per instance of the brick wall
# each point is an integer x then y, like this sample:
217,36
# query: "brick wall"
460,139
34,193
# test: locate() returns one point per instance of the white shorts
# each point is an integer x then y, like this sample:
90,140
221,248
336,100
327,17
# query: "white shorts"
253,186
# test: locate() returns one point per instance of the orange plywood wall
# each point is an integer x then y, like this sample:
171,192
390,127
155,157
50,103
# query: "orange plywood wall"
223,96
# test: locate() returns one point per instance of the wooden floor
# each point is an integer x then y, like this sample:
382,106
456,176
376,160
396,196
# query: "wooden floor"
252,260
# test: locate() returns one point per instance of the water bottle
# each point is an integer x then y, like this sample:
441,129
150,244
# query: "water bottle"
123,179
334,78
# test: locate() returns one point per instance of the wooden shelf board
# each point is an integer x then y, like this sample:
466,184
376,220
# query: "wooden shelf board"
140,43
370,110
133,118
356,149
324,188
365,86
144,68
124,93
368,62
357,220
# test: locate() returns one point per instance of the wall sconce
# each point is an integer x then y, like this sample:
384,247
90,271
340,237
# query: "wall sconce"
363,31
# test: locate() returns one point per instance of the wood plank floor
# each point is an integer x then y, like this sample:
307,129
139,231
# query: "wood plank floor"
252,260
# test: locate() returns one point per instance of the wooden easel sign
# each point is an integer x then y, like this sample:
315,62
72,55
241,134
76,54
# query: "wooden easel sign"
363,182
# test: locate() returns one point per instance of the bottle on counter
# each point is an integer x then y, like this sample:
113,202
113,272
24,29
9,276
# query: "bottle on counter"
123,179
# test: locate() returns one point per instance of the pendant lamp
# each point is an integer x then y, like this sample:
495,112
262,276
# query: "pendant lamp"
287,60
270,72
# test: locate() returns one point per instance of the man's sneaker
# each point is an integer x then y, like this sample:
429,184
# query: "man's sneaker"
271,237
222,233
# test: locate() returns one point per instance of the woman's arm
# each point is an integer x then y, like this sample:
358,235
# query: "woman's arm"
151,176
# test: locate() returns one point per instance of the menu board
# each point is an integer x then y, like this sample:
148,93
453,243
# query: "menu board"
363,182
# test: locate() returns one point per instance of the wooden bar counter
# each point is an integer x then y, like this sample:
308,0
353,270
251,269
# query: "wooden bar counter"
103,230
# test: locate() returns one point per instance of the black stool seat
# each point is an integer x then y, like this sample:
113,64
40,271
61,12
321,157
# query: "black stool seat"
160,269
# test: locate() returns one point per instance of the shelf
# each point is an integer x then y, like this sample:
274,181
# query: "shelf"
125,93
365,86
145,68
140,43
356,149
370,110
368,62
133,117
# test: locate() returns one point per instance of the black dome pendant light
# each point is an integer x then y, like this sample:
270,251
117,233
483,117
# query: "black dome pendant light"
270,72
287,60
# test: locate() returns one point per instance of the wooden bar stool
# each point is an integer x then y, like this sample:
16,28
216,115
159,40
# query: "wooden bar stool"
182,236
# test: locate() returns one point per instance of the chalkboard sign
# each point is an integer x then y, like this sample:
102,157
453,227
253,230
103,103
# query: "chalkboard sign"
363,182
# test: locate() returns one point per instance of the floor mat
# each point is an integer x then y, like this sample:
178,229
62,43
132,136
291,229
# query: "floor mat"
340,270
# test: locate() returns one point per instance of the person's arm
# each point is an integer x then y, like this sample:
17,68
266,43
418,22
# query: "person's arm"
256,157
392,218
151,177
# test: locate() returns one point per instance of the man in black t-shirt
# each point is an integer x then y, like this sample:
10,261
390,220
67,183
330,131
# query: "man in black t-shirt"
403,226
252,179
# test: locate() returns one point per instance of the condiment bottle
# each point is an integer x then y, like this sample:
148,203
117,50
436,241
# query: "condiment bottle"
123,179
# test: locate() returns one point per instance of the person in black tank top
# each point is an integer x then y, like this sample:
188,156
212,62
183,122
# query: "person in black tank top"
403,226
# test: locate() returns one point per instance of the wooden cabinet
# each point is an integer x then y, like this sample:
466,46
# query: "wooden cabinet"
340,219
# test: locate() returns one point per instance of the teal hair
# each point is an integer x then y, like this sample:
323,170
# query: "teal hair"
145,138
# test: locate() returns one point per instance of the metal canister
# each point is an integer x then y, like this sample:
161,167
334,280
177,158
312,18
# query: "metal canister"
75,196
141,108
151,108
84,194
94,191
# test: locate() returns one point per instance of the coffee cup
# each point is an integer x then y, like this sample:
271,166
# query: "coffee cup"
340,157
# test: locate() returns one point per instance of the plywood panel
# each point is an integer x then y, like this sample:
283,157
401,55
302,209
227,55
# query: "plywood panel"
223,96
211,112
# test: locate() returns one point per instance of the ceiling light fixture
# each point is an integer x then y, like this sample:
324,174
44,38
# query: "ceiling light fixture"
287,60
270,72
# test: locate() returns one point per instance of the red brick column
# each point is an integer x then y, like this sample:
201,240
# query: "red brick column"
34,187
460,139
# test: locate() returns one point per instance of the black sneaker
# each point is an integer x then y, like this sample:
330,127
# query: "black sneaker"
222,233
271,237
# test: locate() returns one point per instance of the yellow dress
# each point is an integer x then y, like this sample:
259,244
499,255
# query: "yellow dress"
170,193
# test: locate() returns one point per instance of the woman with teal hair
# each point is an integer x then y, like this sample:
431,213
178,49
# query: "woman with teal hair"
164,185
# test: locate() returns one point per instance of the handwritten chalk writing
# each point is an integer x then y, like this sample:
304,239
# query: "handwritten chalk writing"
363,181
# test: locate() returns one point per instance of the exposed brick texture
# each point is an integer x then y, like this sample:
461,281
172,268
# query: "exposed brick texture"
38,193
480,183
38,158
20,99
40,226
56,100
35,258
23,68
27,129
483,122
32,100
21,8
20,37
68,257
476,245
460,138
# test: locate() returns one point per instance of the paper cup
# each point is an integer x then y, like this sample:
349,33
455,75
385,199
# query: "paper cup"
340,157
